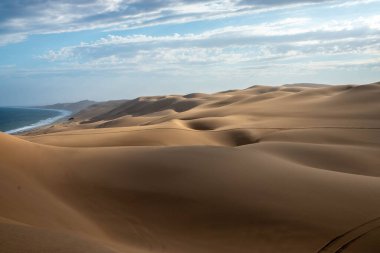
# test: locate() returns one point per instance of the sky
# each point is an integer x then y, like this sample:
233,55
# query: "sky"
69,50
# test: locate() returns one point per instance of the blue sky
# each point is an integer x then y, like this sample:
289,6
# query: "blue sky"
69,50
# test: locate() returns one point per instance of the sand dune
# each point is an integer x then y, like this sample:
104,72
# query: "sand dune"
293,168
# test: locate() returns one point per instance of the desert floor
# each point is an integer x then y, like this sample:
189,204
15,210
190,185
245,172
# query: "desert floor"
289,169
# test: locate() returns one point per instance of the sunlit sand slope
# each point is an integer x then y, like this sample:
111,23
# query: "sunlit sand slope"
266,169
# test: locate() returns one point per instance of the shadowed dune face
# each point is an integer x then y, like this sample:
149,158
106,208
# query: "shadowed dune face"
265,169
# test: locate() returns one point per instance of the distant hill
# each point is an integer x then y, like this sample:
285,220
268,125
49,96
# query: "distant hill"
73,107
307,85
98,108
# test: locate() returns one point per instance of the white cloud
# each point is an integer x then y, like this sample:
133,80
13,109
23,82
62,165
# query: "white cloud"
353,3
11,38
63,53
276,40
372,22
295,43
44,17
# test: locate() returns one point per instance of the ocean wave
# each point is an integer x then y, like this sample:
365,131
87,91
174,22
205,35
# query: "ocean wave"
41,123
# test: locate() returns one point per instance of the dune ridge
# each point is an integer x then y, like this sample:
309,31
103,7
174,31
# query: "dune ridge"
293,168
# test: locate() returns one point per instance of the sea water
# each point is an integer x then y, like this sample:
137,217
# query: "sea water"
20,119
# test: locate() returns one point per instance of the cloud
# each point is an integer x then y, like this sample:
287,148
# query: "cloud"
58,16
293,42
11,39
352,3
297,41
278,2
291,34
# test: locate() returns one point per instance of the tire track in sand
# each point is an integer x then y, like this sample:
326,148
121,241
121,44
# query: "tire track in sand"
343,241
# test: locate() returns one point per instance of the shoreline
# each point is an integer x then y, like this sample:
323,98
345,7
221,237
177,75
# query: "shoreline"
41,123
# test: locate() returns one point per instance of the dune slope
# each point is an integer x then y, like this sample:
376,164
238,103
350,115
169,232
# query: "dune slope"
266,169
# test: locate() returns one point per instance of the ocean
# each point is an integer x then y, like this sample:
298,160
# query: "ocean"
19,119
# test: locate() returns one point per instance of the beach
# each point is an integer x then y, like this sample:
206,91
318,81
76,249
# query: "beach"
22,119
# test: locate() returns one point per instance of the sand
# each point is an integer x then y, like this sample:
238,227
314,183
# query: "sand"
293,169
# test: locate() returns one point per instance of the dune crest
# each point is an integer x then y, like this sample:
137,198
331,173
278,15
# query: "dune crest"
293,168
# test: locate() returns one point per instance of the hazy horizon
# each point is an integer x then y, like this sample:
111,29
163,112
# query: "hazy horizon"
164,94
67,51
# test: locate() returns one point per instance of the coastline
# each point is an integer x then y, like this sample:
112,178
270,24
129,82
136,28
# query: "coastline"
41,123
